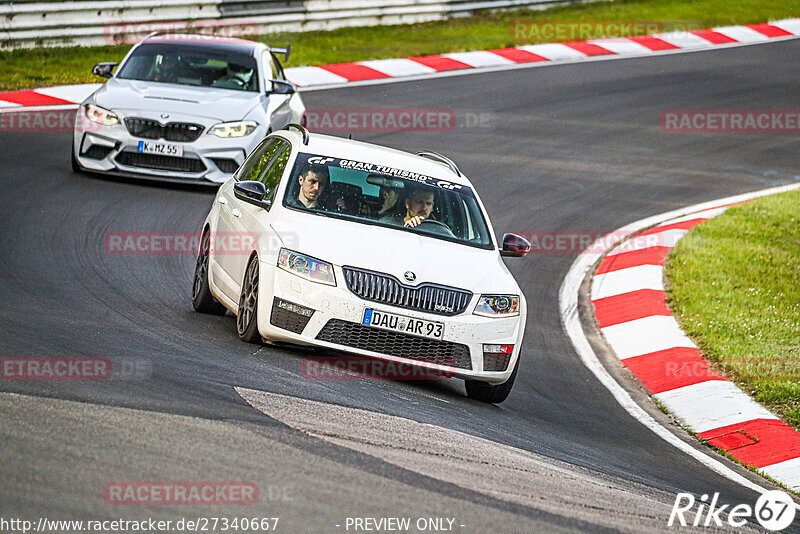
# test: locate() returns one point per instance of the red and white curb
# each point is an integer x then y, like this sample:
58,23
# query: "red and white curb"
631,312
62,95
384,70
343,73
627,292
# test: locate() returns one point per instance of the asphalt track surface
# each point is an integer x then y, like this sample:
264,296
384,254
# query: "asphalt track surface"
571,148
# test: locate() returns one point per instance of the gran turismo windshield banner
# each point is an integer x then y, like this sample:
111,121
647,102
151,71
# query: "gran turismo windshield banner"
390,171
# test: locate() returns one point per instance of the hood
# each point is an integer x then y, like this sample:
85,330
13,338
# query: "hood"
207,102
347,243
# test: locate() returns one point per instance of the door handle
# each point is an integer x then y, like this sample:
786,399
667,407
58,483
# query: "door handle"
222,200
236,213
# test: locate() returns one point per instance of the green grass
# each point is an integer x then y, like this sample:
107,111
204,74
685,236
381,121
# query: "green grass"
24,69
734,285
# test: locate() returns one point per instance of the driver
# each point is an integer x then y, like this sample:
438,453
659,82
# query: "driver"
313,181
166,70
238,74
419,205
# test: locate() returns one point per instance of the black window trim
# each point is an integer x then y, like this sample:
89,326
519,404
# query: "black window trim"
278,66
286,144
266,140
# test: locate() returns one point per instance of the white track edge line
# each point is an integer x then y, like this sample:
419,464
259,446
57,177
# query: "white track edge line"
29,109
568,310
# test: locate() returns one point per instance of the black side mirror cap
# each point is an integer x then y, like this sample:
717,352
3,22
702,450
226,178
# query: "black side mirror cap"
104,70
515,246
281,87
253,192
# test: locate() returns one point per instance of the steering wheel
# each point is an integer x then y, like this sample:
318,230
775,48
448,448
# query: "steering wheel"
439,224
241,83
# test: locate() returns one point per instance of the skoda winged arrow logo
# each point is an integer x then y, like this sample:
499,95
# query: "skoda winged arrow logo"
409,276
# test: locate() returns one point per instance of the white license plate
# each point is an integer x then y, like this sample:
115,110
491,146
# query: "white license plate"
165,149
401,323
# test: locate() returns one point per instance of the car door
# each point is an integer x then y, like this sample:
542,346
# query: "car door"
252,222
229,255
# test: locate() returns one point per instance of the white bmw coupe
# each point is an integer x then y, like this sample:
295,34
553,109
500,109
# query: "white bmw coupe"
359,248
183,108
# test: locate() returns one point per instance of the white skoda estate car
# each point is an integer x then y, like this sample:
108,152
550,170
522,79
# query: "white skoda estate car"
184,108
368,250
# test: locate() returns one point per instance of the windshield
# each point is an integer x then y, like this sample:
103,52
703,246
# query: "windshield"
191,65
381,195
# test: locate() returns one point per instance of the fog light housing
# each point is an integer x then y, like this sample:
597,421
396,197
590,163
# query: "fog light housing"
289,316
496,357
498,349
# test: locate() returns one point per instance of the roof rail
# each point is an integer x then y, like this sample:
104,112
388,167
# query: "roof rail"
441,159
300,129
285,51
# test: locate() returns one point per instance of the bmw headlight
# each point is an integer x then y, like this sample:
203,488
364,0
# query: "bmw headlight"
306,267
498,306
233,129
100,115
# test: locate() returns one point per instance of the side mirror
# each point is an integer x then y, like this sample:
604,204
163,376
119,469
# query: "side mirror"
280,87
104,69
515,246
252,192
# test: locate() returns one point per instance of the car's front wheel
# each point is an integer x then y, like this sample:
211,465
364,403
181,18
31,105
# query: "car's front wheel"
202,299
246,320
488,393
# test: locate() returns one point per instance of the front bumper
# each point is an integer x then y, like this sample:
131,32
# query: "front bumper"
112,149
336,324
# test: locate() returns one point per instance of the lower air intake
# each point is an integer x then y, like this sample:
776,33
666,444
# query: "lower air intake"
396,344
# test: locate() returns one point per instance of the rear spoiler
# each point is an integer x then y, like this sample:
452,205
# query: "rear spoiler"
285,51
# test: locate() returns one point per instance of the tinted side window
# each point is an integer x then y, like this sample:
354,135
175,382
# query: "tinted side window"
259,160
278,67
269,67
272,177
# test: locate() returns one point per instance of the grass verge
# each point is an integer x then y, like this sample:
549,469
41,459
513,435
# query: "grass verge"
26,69
734,286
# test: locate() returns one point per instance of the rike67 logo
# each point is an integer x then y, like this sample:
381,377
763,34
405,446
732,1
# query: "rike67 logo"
774,510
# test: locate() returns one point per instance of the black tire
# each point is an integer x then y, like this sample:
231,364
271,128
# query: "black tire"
247,316
202,299
484,392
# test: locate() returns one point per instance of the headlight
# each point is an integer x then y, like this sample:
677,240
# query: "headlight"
306,267
100,115
497,306
233,129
